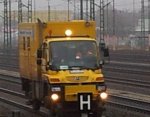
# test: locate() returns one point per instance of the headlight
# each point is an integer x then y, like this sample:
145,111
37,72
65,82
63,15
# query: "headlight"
53,89
103,95
54,97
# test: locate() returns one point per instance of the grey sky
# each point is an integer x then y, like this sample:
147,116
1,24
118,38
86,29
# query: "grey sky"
62,4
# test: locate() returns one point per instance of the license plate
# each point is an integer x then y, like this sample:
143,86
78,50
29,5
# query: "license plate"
85,101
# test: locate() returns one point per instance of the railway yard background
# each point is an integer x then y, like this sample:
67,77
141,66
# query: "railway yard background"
126,32
127,77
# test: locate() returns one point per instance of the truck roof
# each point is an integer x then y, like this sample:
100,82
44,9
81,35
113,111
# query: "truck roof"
79,28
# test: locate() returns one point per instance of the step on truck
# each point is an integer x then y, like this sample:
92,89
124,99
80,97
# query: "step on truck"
60,67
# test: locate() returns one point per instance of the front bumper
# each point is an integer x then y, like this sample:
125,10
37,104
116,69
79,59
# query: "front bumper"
71,97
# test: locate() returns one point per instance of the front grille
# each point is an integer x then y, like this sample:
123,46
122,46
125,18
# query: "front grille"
77,78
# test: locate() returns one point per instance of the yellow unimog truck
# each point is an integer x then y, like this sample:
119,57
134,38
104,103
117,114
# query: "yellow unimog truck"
60,67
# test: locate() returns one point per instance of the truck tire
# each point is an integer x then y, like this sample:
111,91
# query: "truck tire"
36,104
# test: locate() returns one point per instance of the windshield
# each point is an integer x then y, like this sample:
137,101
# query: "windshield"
74,55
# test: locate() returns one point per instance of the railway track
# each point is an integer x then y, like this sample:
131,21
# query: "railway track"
129,70
124,84
11,94
130,52
129,104
126,70
128,77
9,61
17,100
132,82
130,56
109,78
9,67
115,99
125,59
140,69
10,79
113,66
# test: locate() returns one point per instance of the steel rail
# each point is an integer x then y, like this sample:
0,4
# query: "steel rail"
130,60
23,107
130,55
12,92
9,67
126,70
11,79
20,105
138,83
130,107
129,64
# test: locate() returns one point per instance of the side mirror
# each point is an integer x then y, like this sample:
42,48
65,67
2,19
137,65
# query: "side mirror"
101,46
39,53
101,63
50,66
104,49
106,52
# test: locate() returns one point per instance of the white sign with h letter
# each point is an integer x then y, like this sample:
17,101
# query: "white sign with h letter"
85,102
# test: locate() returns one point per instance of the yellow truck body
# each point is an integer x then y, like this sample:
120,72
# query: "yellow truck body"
69,80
